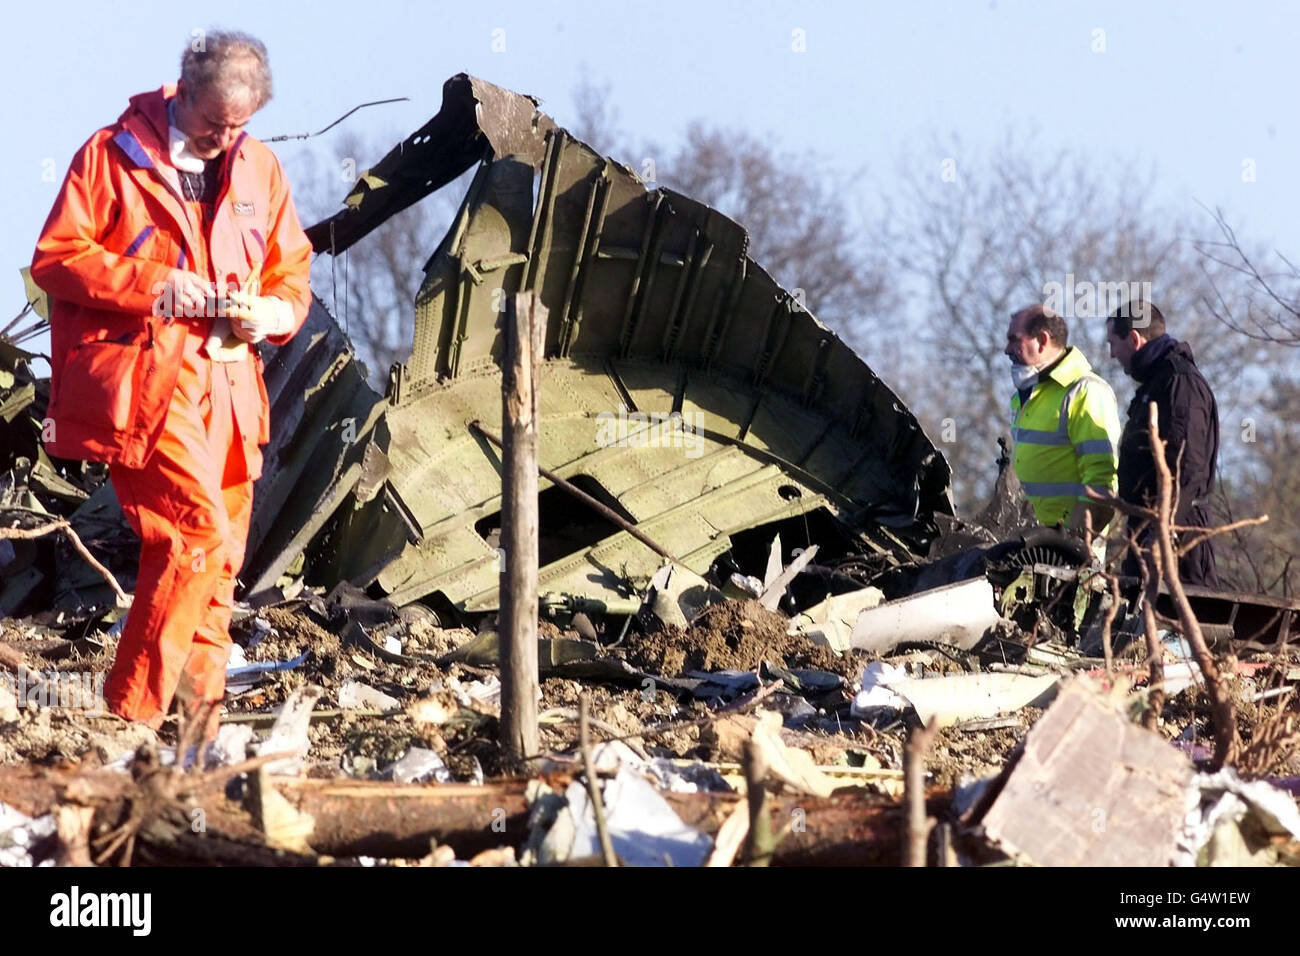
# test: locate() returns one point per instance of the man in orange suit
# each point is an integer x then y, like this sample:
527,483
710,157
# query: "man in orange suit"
172,250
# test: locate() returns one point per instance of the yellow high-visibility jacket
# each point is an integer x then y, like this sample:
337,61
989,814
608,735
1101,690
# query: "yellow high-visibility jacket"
1066,438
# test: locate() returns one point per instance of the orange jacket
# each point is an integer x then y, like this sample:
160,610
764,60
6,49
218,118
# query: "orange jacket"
117,230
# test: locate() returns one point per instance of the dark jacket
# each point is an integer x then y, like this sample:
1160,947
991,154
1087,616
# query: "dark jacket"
1166,373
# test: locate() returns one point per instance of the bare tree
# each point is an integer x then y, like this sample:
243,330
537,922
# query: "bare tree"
974,237
804,227
1269,309
595,118
1261,303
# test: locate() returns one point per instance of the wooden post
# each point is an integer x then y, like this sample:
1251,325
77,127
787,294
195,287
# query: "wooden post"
525,341
918,824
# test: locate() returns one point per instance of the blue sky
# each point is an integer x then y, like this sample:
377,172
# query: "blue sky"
1192,89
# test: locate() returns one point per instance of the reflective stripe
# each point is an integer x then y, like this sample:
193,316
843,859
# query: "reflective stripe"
1052,489
1100,489
1060,415
1075,387
139,240
127,142
1095,446
1034,436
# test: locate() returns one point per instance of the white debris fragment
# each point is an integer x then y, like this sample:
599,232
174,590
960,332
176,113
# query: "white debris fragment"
876,695
418,765
237,658
643,828
955,697
230,747
958,614
354,695
831,622
1217,803
19,833
289,732
610,756
481,696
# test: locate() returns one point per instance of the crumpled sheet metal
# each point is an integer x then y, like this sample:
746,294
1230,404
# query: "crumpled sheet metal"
477,120
697,394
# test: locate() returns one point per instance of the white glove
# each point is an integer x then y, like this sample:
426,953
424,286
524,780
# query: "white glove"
257,317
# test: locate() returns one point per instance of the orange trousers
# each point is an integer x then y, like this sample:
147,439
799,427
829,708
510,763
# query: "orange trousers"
190,504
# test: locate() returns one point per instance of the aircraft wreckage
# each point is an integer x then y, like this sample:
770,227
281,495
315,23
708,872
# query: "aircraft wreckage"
683,389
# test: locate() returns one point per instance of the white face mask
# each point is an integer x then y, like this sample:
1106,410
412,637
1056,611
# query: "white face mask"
1023,376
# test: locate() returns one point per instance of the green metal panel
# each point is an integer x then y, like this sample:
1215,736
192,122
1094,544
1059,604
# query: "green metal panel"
654,310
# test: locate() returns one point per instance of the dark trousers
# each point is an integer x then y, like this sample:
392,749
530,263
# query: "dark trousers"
1196,566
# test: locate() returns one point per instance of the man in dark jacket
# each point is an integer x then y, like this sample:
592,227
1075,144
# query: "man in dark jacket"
1166,374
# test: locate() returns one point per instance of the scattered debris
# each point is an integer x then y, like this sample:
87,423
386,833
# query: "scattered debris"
831,622
826,629
354,694
1232,822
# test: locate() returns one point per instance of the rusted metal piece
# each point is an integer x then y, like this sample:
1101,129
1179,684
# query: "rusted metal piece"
1255,621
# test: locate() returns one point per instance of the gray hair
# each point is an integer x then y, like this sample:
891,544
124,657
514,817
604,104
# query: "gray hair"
228,63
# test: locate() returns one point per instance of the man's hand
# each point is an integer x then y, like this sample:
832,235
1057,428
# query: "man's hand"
257,317
189,293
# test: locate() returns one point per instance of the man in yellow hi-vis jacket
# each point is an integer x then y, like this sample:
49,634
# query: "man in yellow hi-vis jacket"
1064,423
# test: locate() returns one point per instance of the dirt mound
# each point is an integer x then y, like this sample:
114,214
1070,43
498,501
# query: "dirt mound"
735,635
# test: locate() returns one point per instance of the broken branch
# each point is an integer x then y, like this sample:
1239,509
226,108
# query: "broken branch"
62,525
1207,533
918,826
1225,716
593,784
